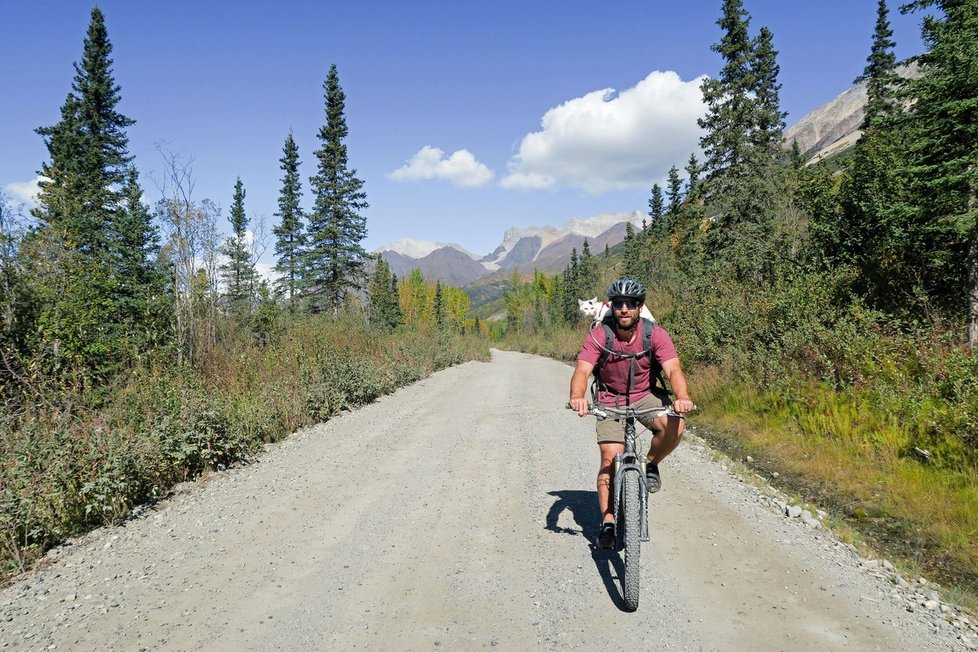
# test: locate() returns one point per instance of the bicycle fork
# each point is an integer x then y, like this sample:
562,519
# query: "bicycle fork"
632,464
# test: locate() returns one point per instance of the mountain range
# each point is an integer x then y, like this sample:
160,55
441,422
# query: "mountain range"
544,248
826,131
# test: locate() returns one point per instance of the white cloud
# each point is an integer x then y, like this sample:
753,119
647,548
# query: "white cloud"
461,168
607,141
24,191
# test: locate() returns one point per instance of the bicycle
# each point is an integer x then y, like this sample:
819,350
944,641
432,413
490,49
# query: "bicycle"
630,494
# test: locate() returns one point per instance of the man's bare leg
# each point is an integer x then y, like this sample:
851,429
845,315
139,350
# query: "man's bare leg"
605,473
667,432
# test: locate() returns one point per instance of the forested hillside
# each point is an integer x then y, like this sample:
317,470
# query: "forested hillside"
828,316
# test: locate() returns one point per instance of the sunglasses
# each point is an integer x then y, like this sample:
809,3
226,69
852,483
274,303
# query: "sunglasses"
631,303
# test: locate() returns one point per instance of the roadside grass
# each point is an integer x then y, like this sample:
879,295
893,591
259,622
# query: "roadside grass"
74,462
839,450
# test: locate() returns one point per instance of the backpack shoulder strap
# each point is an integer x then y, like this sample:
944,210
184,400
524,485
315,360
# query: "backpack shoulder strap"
609,342
648,325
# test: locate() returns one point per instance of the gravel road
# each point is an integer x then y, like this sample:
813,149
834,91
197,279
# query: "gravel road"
459,513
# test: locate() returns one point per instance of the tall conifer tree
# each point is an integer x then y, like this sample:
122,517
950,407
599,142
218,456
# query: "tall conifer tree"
767,130
142,282
656,207
240,278
692,170
944,155
729,108
334,258
880,71
289,234
674,190
88,149
385,308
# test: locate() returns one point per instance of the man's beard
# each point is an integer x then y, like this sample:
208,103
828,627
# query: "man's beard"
622,327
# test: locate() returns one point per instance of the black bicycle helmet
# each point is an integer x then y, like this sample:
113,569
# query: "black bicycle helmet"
627,287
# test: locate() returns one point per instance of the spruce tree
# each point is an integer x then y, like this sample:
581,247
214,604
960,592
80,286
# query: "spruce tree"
571,288
588,269
334,259
142,282
656,208
944,155
880,71
729,108
674,190
439,306
767,130
238,272
385,309
692,170
745,181
90,283
289,234
88,149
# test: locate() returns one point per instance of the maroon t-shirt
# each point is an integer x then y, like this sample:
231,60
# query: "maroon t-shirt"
614,371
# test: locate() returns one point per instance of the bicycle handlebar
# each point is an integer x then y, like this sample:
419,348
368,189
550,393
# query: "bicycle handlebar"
605,412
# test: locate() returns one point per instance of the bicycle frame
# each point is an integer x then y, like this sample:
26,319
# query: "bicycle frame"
627,462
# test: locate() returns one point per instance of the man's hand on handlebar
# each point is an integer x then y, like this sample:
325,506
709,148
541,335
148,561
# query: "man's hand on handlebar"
581,405
682,405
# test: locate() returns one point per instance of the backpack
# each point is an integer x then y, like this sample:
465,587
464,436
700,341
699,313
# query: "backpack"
607,350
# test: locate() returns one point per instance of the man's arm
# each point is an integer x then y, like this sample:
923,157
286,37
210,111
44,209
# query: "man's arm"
677,380
578,385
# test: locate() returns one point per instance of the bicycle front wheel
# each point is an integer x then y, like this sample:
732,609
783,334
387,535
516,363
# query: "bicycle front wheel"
631,508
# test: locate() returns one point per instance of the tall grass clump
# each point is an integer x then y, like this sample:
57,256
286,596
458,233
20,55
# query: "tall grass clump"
71,461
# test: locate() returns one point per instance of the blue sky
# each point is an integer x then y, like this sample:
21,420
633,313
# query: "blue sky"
465,118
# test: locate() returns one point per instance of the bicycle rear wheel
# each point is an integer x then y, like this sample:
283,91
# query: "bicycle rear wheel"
631,508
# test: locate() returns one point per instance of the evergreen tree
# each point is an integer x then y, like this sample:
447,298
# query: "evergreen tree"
880,71
729,108
90,260
385,308
238,273
142,282
588,266
747,184
571,288
692,175
290,238
674,190
944,156
656,208
88,149
439,306
795,157
334,258
767,130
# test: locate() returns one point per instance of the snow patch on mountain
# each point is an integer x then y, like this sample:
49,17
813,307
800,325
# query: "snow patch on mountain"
591,227
420,248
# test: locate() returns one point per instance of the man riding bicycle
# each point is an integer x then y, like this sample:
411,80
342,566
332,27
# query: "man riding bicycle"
626,367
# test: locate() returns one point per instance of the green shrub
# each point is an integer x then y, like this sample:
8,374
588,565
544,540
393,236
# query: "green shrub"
74,461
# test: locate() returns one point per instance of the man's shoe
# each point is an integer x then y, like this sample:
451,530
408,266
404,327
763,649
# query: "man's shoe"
606,535
652,479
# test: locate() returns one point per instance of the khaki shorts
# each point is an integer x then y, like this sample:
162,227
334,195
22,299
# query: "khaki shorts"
614,431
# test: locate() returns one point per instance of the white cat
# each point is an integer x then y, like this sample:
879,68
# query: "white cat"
597,310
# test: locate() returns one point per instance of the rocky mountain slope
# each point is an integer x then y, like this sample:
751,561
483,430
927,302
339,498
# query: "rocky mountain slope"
834,126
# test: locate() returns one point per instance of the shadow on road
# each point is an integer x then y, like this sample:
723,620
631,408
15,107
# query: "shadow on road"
583,506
